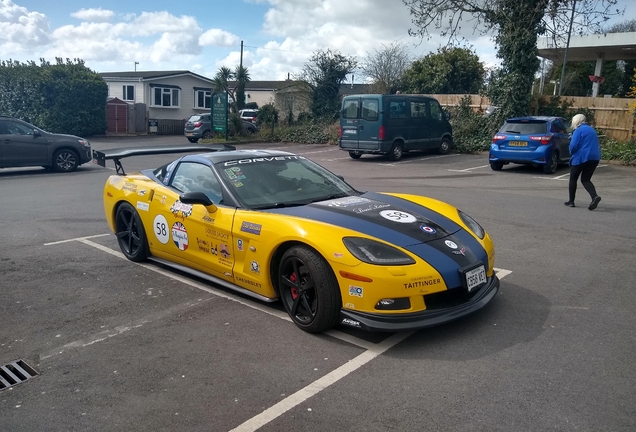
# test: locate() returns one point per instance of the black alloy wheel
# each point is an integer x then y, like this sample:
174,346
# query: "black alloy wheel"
130,233
308,289
65,160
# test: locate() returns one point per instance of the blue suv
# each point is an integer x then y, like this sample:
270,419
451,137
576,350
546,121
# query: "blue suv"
538,141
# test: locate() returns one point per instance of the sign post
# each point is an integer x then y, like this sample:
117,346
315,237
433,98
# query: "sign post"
219,113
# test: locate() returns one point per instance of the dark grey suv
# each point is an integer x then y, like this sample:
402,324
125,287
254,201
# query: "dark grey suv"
198,126
22,144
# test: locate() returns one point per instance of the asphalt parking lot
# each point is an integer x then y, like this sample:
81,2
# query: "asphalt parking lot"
120,346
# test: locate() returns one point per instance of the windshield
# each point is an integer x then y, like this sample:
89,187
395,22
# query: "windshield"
282,181
195,118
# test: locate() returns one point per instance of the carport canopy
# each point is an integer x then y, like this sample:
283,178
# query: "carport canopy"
599,47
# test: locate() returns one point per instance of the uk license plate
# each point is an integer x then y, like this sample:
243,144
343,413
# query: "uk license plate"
475,277
518,144
188,133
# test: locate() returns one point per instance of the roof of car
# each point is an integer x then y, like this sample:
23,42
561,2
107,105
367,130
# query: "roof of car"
224,156
540,118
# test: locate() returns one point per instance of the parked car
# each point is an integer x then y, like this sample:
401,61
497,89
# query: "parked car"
392,125
539,141
248,115
23,144
274,225
198,126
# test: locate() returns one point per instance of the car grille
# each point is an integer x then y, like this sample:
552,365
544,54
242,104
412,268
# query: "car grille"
449,298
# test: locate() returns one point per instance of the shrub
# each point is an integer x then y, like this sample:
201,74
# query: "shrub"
621,151
472,132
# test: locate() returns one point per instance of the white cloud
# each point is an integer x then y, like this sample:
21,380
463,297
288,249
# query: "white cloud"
218,37
93,15
21,30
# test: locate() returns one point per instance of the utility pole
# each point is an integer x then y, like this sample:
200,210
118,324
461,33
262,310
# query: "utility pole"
241,64
136,63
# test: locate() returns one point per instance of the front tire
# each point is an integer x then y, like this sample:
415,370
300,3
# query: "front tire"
130,233
308,289
355,155
65,160
552,165
396,152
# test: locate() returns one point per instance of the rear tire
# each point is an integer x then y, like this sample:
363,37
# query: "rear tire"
65,160
193,140
445,147
396,151
130,233
355,155
496,166
308,289
552,165
207,134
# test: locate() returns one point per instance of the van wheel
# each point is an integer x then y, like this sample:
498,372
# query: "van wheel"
354,155
396,152
445,147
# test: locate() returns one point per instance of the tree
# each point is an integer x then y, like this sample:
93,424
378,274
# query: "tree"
386,67
324,74
233,83
449,71
515,25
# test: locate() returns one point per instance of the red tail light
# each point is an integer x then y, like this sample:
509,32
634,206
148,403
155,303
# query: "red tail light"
498,138
198,124
381,133
339,131
543,139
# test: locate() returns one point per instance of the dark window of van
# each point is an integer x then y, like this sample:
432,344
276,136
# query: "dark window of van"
436,111
397,109
418,109
370,109
350,109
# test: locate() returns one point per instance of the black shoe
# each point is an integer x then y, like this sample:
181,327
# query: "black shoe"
569,203
594,203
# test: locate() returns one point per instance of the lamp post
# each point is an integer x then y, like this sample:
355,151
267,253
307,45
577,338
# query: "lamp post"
567,45
136,63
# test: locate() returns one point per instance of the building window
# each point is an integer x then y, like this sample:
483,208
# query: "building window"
202,98
166,97
129,92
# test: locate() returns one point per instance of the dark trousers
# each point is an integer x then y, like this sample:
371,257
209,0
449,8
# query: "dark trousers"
585,170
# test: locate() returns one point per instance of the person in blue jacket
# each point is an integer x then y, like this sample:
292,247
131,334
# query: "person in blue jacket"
585,151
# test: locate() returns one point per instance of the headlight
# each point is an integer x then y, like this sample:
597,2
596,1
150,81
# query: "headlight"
85,143
374,252
472,224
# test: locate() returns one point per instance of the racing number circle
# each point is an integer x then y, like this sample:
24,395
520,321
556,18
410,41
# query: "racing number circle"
160,225
398,216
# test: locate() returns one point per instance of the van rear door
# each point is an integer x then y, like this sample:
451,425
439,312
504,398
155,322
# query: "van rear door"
349,122
369,126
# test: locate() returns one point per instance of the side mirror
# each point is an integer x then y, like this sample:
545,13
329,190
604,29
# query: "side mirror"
36,133
198,198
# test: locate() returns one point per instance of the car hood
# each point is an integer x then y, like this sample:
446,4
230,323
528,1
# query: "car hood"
431,236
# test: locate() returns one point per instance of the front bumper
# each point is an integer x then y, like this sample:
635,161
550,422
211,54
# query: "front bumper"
418,320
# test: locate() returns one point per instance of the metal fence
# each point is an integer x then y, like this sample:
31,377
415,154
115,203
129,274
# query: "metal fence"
170,127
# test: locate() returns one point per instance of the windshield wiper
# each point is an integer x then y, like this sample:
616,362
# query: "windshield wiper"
330,197
280,205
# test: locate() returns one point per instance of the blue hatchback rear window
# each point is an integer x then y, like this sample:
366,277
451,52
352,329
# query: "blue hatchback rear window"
524,128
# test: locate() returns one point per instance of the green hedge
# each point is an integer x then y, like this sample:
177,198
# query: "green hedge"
65,97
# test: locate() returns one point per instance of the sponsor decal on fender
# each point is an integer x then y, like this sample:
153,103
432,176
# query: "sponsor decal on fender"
422,283
355,291
251,228
255,267
247,281
180,236
178,208
143,206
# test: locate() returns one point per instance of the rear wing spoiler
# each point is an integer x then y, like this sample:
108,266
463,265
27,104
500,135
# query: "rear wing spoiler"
101,156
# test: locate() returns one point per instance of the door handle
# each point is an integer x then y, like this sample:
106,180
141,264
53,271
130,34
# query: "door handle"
361,127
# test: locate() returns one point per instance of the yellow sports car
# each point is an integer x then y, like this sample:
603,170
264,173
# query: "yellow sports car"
275,225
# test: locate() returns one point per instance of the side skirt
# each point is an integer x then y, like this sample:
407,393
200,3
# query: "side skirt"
212,279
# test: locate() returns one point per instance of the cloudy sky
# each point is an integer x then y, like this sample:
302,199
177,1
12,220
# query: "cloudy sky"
278,35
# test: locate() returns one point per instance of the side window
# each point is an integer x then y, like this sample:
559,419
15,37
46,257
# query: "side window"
196,177
397,109
14,128
436,111
350,109
370,109
557,127
418,110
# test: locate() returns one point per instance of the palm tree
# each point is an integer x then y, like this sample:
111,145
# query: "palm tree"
223,80
242,77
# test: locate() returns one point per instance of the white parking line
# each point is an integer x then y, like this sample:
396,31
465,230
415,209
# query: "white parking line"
75,239
320,384
562,177
469,169
425,158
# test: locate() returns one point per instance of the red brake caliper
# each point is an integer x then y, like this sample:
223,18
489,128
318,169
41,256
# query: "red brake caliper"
294,290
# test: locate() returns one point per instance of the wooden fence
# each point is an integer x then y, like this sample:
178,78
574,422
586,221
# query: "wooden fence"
613,115
170,127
